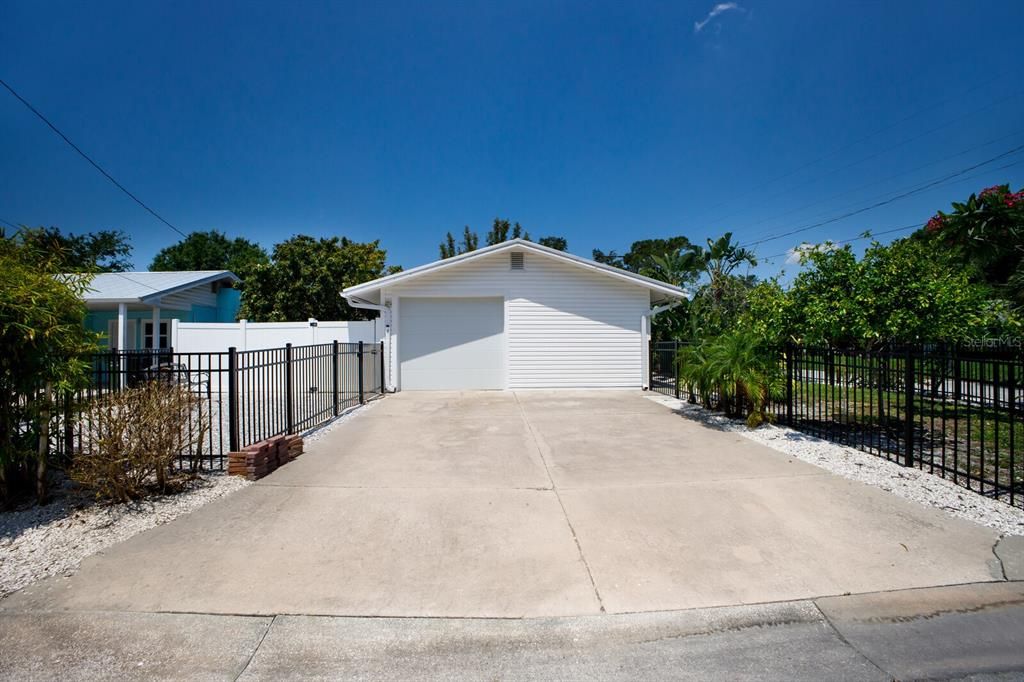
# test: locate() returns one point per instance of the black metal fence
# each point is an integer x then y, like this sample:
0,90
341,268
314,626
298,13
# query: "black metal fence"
243,397
954,412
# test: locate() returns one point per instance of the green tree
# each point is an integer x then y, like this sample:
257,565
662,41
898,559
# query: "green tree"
718,261
305,276
557,243
663,260
721,298
641,253
43,334
211,250
768,313
500,231
102,251
611,258
986,233
469,243
904,292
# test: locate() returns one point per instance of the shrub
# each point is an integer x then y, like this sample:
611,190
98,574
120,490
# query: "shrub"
740,368
43,337
134,438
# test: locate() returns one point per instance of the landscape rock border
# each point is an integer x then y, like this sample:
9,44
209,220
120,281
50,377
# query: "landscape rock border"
54,539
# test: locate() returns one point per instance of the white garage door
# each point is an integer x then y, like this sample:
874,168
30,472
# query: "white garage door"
452,343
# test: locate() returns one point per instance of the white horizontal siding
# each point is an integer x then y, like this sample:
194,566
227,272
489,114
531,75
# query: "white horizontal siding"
566,327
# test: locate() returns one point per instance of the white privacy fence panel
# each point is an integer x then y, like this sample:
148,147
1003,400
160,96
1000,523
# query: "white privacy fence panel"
210,337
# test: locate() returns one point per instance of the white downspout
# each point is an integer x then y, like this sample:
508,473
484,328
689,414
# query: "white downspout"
645,341
385,313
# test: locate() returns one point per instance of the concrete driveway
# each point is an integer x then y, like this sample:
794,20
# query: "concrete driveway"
526,504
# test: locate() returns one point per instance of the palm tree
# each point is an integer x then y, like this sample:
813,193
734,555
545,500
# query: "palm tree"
718,261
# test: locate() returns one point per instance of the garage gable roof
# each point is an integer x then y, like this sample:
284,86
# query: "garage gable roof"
667,290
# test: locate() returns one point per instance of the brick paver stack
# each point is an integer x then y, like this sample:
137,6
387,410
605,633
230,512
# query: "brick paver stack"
259,459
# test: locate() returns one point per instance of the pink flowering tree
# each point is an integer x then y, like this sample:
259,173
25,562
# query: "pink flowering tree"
988,231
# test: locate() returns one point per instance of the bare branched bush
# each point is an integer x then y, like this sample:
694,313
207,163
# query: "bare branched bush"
135,437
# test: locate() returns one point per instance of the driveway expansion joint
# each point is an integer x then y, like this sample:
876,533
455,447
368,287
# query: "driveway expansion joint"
853,647
248,662
565,514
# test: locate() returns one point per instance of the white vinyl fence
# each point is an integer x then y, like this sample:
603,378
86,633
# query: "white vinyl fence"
212,337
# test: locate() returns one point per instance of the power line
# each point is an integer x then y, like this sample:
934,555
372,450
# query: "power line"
85,156
873,155
890,200
877,182
119,274
871,235
938,183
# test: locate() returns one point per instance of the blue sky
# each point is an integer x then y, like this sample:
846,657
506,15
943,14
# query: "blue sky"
603,122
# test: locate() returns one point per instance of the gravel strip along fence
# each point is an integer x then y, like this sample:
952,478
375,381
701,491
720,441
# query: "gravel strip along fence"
907,482
54,539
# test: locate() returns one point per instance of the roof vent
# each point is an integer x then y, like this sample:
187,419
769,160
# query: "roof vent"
515,260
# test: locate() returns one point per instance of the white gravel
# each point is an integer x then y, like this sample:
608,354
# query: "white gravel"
54,539
319,432
909,483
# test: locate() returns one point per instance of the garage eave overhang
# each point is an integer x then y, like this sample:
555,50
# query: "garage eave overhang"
660,291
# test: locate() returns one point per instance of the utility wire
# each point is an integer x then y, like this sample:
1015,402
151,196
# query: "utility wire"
871,235
883,151
119,274
878,131
890,200
85,156
880,181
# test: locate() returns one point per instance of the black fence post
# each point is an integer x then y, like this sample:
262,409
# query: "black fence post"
908,409
957,376
789,383
233,439
652,354
334,375
675,366
289,393
381,367
362,398
1011,394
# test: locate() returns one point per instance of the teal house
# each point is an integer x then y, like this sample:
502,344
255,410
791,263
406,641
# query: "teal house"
126,307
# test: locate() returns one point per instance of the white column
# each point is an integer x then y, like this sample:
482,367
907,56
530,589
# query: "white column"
122,340
395,366
645,351
122,326
156,327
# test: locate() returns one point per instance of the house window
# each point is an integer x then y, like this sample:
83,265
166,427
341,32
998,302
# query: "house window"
147,335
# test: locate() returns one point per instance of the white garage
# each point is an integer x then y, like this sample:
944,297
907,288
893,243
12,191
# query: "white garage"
516,315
